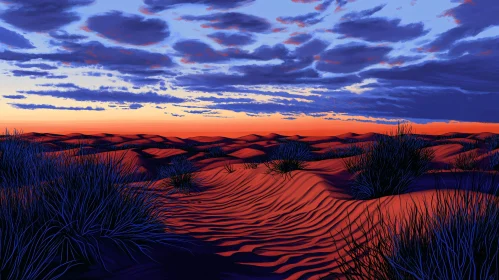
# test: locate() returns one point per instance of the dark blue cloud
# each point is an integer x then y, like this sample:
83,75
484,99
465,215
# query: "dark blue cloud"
161,5
65,36
93,53
232,21
232,39
224,99
351,58
129,29
298,39
14,39
61,85
202,112
35,74
362,14
108,96
470,72
311,48
302,20
14,96
472,18
52,107
177,115
42,66
195,51
41,15
135,106
380,30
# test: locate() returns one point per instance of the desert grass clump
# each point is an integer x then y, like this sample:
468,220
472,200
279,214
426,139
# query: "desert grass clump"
22,162
389,165
468,146
492,142
69,210
288,157
457,238
93,205
180,174
251,165
29,244
215,152
467,161
351,151
494,161
229,168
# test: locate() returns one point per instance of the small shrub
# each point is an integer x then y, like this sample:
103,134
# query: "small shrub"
390,165
92,202
229,168
180,172
288,157
215,152
494,161
468,146
251,165
492,142
457,239
341,152
467,161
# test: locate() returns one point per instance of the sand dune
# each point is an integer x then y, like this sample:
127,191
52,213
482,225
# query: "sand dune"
288,227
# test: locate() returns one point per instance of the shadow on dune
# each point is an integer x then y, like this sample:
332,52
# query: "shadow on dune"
186,259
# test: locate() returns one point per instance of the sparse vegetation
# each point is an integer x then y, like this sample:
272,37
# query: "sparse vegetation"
341,152
215,152
180,174
288,157
390,165
229,168
57,212
468,146
457,239
467,161
251,165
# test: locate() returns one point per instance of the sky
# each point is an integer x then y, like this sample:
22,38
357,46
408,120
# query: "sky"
219,67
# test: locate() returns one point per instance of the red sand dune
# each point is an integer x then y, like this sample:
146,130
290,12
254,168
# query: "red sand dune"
288,226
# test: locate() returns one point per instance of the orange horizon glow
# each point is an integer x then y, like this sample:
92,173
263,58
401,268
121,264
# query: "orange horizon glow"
240,127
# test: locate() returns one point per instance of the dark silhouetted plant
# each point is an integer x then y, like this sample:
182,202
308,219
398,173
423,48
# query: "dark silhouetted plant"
180,174
341,152
92,202
467,161
68,208
214,152
389,165
229,168
288,157
457,238
468,146
251,165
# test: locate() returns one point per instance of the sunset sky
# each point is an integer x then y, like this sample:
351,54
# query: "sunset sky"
220,67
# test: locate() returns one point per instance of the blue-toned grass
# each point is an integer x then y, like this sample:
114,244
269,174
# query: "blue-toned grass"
341,152
457,239
215,152
180,174
288,157
66,208
389,165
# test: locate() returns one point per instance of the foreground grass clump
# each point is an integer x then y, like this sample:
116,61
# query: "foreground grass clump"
72,213
390,165
288,157
22,162
458,238
92,201
180,174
